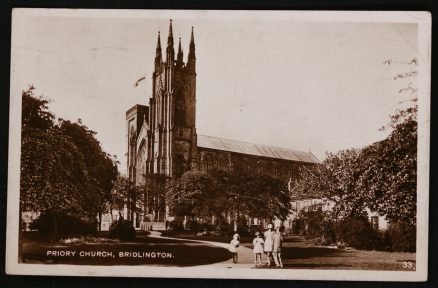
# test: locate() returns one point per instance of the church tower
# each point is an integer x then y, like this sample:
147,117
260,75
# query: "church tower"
172,142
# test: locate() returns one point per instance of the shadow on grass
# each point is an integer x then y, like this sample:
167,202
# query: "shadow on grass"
315,265
307,266
312,252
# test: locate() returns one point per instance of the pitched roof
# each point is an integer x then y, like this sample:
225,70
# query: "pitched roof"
255,149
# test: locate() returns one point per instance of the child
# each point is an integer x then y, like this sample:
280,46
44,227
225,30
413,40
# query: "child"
258,248
269,244
234,244
278,240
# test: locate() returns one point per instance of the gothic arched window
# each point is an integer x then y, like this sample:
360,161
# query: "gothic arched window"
141,160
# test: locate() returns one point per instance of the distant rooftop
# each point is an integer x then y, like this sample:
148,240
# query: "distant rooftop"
255,149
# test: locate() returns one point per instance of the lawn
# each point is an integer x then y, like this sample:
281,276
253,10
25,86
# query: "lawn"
301,254
298,253
211,237
142,251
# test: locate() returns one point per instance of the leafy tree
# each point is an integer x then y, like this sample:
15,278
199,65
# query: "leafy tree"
219,193
189,194
101,168
390,176
53,174
381,176
124,192
276,195
53,171
35,113
336,181
261,196
152,194
63,168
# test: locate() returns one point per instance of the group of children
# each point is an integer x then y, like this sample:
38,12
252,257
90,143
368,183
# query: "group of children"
270,245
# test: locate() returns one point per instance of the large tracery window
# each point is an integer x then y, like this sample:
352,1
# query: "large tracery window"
141,161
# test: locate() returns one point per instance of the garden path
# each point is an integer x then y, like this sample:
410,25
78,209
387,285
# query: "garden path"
245,254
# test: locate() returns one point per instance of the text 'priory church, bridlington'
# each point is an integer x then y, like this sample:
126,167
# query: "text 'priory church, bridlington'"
162,137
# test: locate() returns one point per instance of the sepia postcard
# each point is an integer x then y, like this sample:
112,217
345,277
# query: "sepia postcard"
219,144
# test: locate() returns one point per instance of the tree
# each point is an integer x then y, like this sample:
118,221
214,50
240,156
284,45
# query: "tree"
257,196
64,171
123,193
53,171
101,167
35,113
335,180
239,194
266,197
189,194
390,177
152,194
381,176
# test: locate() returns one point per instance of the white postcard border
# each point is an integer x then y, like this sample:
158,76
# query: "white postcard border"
423,19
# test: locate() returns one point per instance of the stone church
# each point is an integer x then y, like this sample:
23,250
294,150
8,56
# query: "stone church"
162,135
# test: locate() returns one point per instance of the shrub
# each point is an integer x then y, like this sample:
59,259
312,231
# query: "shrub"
402,236
358,233
206,227
148,218
176,226
383,242
192,225
298,227
253,229
319,227
88,239
122,230
328,231
244,231
66,225
314,220
224,229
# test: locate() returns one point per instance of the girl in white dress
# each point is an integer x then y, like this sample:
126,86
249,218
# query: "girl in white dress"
258,249
234,244
269,244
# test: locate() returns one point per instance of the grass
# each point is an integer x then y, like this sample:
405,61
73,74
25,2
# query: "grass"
211,237
299,253
88,240
173,252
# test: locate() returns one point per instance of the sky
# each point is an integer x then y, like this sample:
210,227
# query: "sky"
274,79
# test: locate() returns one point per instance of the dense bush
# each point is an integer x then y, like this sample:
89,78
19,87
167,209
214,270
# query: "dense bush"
122,229
253,229
314,221
328,231
298,227
65,225
176,226
319,227
206,227
402,236
224,229
192,225
357,232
